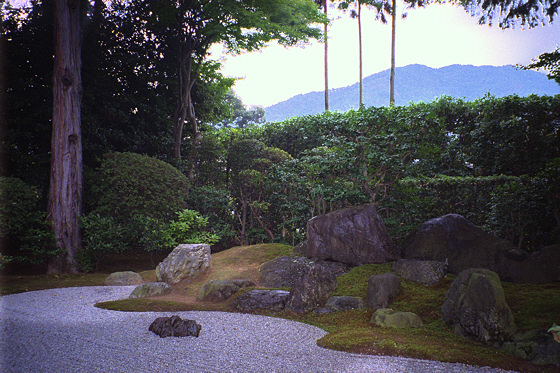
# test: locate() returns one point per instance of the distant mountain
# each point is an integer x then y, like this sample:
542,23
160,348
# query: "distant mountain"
415,83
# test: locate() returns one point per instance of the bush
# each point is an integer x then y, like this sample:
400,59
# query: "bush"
131,184
189,229
25,235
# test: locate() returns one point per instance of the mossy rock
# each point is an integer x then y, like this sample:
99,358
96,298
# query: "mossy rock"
123,279
388,318
151,289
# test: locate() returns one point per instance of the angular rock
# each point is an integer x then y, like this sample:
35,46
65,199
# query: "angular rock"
355,236
345,303
184,262
456,241
123,279
382,289
536,346
282,272
174,326
475,305
220,290
386,318
312,289
427,272
254,300
151,289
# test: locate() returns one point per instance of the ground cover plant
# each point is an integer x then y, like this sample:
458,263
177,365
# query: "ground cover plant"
534,306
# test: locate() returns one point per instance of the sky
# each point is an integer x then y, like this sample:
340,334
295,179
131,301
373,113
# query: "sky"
435,36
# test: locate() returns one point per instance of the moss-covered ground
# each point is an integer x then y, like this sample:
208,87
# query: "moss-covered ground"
533,306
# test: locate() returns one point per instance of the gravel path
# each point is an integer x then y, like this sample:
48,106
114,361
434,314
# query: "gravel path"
60,330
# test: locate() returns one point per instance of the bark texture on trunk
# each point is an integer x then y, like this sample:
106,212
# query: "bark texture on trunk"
65,193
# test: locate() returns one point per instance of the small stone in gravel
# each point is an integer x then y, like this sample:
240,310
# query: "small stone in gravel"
174,326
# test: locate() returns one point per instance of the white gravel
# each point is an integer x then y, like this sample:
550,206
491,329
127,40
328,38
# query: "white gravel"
60,330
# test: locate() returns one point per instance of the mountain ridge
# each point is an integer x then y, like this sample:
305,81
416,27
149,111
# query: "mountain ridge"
420,83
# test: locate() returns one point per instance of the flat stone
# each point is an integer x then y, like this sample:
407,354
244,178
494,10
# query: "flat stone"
151,289
388,318
123,279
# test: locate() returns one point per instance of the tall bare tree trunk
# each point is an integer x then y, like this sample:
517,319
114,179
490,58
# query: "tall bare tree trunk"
65,193
393,33
326,59
360,64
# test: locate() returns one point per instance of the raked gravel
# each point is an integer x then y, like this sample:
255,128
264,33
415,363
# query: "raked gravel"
60,330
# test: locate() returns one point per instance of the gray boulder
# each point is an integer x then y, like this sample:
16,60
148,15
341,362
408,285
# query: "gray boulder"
355,236
257,300
344,303
151,289
174,326
536,346
388,318
312,289
539,267
382,289
282,272
476,306
221,290
456,241
123,279
427,272
184,262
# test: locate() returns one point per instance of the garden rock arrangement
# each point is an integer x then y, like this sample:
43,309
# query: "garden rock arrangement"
312,289
184,262
221,290
427,272
174,326
355,236
282,272
343,303
256,300
536,346
151,289
539,267
388,318
382,289
123,279
475,305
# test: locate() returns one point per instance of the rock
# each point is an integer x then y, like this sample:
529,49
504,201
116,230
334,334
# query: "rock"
475,305
536,346
184,262
355,236
312,289
123,279
386,317
382,289
174,326
151,289
542,266
344,303
273,300
427,272
281,272
220,290
456,241
301,248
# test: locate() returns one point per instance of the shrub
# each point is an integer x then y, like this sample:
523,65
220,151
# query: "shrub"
189,229
25,235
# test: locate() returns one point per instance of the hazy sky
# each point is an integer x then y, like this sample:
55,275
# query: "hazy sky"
436,36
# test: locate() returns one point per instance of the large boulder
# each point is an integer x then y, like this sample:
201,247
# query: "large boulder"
388,318
355,235
220,290
539,267
427,272
123,279
258,300
476,306
282,272
382,289
151,289
184,262
456,241
174,326
312,289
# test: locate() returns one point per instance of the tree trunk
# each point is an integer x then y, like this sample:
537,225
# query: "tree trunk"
65,194
326,60
360,63
393,28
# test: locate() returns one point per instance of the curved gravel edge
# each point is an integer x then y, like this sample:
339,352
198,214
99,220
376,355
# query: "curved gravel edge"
60,330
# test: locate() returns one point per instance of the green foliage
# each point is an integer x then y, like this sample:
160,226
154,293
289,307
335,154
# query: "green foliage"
549,62
101,235
132,184
189,227
25,234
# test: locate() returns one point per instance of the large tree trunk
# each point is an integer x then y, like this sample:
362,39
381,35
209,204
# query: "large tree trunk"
326,60
393,33
65,194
